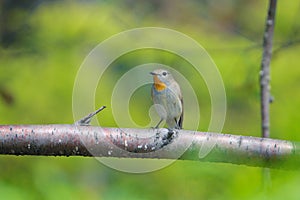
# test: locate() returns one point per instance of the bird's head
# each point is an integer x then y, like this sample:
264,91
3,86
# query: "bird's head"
162,78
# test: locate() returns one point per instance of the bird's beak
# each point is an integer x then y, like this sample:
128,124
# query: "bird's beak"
152,73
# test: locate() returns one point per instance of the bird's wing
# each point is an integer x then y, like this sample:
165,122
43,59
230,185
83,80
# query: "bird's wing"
180,121
178,91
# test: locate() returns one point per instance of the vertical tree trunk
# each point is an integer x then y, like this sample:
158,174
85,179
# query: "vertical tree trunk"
265,80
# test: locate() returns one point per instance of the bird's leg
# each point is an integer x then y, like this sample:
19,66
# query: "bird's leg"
159,123
177,125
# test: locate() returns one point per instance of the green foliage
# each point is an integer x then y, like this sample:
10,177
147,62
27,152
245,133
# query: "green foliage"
39,70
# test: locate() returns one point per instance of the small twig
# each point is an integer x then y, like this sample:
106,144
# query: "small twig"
87,119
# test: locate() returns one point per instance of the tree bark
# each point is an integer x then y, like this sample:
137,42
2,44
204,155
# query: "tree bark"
74,140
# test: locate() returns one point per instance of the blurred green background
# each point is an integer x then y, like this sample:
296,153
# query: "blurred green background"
43,44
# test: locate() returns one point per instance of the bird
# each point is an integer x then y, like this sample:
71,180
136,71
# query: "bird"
167,98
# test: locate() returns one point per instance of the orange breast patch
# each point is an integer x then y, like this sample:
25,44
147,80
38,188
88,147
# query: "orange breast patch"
159,86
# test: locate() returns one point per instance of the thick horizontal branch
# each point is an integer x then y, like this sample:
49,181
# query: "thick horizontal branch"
75,140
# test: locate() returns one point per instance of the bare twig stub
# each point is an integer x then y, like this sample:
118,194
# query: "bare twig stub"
87,119
265,69
73,140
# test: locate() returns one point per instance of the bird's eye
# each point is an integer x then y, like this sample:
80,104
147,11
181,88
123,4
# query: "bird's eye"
164,73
